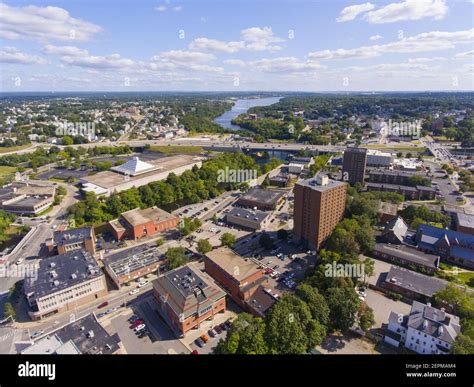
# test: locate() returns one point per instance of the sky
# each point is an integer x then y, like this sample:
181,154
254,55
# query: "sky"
240,45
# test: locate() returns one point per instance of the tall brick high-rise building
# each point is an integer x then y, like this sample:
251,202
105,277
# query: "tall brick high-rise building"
319,206
353,165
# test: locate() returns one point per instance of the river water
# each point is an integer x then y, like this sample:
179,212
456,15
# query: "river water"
242,106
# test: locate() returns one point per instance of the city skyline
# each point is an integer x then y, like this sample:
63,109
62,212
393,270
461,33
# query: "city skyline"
265,46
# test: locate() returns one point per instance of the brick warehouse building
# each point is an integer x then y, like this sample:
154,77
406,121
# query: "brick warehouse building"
187,297
239,276
138,223
319,206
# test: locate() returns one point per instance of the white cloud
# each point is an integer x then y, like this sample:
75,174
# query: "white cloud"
113,61
424,42
376,37
65,50
408,10
260,39
43,23
161,8
465,55
14,56
178,8
184,56
424,60
283,65
206,44
351,12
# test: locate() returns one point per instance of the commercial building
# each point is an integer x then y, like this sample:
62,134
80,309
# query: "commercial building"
63,283
26,198
72,240
248,219
239,277
426,330
395,177
406,255
263,199
452,246
464,223
318,207
187,297
280,180
376,158
131,264
137,223
306,162
135,173
353,165
84,336
412,285
418,192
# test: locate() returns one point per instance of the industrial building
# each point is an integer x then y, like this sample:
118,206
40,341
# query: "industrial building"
319,206
140,223
27,198
63,283
135,173
376,158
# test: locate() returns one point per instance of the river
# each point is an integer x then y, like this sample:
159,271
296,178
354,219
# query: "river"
242,106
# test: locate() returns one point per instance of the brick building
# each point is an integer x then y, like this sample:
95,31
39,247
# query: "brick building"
239,277
71,240
353,165
319,206
138,223
187,297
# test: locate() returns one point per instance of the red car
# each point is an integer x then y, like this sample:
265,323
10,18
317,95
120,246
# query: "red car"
103,305
195,352
136,324
268,271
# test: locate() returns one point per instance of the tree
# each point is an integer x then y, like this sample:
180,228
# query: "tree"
316,302
176,257
282,233
265,241
246,336
228,239
160,242
290,327
459,299
204,246
366,317
9,311
67,140
343,305
463,345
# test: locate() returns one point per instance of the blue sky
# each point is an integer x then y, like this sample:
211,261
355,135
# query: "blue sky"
322,45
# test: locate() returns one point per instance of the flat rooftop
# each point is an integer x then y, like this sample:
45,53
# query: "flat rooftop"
465,220
138,216
256,216
413,281
110,179
63,271
410,254
264,196
314,184
74,235
135,258
233,264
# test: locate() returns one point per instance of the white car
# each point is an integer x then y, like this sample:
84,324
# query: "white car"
140,328
19,261
134,291
142,284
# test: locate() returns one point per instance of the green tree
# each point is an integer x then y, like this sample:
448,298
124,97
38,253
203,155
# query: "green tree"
67,140
228,239
316,303
366,317
463,345
9,311
204,246
343,305
176,257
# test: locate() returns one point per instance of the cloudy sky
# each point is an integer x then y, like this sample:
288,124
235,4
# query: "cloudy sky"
294,45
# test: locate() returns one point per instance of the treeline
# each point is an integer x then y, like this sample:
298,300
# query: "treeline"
200,117
41,156
416,215
270,128
193,186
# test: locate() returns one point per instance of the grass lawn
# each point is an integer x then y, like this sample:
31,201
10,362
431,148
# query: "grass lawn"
176,149
401,148
14,148
466,278
6,171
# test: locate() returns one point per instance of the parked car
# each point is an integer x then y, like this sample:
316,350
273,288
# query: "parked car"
195,352
199,342
218,329
204,338
142,284
136,324
212,333
103,305
134,291
139,327
37,333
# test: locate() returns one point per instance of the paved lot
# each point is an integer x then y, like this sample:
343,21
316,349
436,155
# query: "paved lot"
383,306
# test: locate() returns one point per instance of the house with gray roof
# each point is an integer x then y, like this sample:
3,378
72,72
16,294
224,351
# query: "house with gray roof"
425,330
